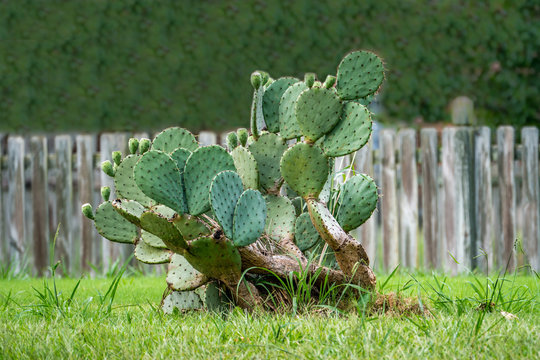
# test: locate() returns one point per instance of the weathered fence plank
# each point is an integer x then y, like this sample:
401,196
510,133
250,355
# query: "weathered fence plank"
531,197
40,203
15,200
207,138
483,198
507,233
408,199
389,206
428,155
65,245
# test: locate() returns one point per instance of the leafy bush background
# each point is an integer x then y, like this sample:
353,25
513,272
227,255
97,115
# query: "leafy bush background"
127,64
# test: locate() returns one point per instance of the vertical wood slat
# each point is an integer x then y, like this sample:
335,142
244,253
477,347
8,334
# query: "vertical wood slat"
65,246
531,197
505,160
86,147
207,138
15,200
483,198
408,199
110,142
341,164
389,206
428,153
366,233
40,203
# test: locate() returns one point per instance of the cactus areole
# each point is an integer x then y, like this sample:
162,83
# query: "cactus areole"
221,218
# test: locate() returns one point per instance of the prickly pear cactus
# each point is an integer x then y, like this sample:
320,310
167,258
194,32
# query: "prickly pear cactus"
218,215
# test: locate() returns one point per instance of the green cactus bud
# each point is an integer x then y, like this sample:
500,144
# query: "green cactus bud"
309,79
107,168
242,135
105,193
117,157
88,211
133,145
144,145
256,80
264,77
317,84
329,82
232,141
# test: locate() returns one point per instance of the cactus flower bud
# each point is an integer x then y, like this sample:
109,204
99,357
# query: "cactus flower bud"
117,157
87,211
105,193
242,135
329,82
232,140
309,79
107,168
256,80
144,145
133,145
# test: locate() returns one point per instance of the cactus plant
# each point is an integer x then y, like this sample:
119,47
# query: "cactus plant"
212,213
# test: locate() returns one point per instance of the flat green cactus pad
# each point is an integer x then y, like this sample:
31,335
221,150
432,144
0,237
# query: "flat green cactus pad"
351,133
201,168
151,255
190,226
288,126
305,168
271,100
173,138
180,155
246,166
298,204
152,240
160,226
267,151
212,296
356,202
182,276
112,226
280,217
181,301
305,234
249,218
216,258
157,175
225,191
129,210
359,74
318,110
125,185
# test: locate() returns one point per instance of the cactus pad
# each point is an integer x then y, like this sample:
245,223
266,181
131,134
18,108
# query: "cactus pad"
305,168
305,234
249,218
158,177
217,258
288,126
129,209
152,240
359,74
351,133
151,255
356,202
173,138
280,217
181,301
124,182
111,225
160,226
318,110
180,156
182,276
267,151
225,191
246,166
271,100
201,168
190,226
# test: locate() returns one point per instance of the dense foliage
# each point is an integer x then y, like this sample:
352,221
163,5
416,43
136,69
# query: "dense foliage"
129,64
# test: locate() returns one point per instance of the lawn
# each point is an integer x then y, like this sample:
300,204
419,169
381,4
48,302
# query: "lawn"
91,326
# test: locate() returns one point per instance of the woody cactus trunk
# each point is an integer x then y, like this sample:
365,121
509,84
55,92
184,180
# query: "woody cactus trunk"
223,217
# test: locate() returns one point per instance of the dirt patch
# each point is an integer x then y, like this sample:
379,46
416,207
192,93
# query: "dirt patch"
395,305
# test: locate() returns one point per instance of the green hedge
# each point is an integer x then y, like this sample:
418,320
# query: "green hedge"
126,64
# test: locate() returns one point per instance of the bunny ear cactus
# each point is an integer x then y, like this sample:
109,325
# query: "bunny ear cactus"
212,213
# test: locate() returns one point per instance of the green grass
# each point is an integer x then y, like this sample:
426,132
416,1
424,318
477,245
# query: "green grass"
91,326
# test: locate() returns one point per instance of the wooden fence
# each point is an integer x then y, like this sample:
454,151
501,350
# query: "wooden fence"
445,195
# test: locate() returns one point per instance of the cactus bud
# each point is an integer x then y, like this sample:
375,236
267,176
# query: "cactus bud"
117,157
105,193
317,84
232,140
88,211
264,77
133,145
242,135
309,79
256,80
144,145
107,168
329,82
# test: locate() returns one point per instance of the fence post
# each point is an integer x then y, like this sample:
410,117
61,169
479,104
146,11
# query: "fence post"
428,153
40,203
507,233
408,199
389,208
531,197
